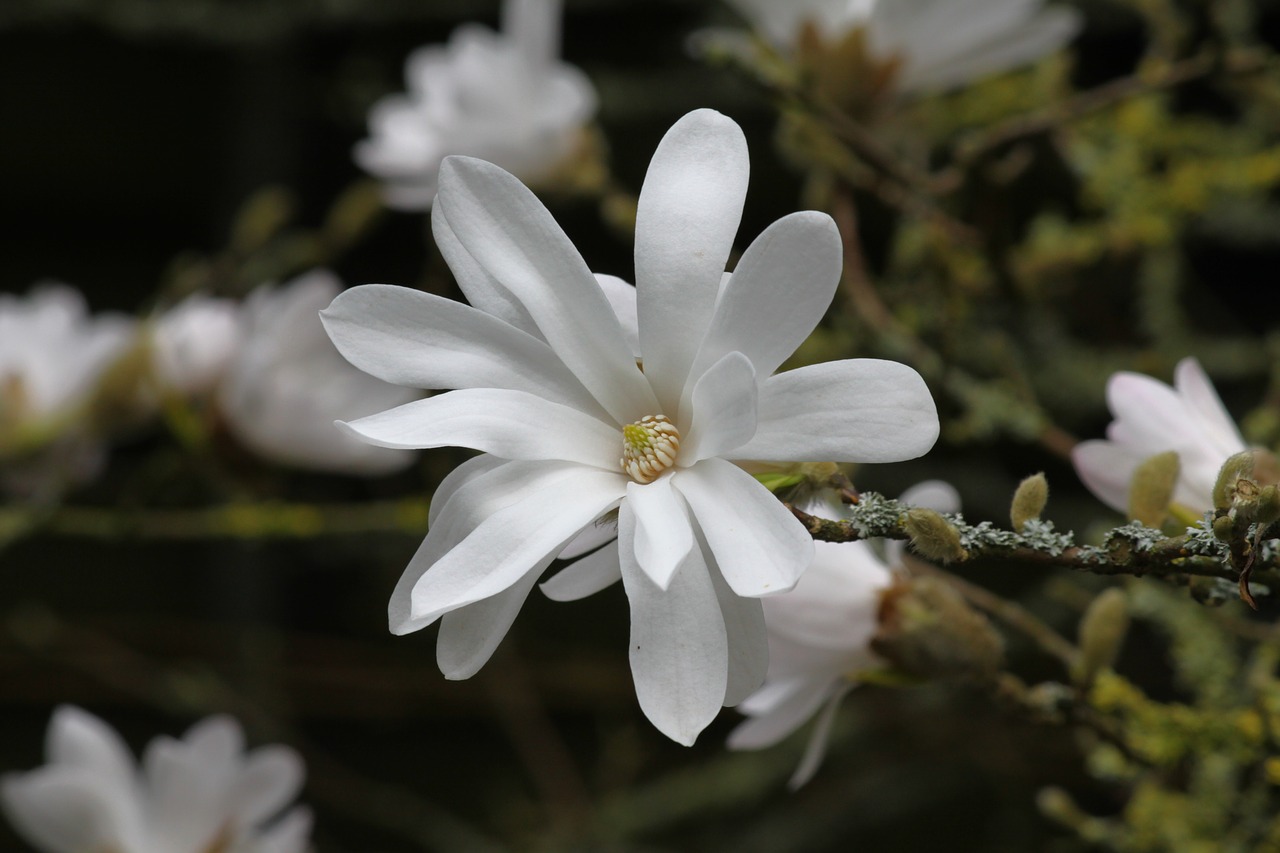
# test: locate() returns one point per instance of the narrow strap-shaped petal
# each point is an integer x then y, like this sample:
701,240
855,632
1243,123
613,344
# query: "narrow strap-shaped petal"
512,236
767,728
80,739
744,624
510,424
689,210
816,749
470,635
1203,401
724,403
514,540
679,649
407,337
781,288
622,298
663,535
859,410
758,544
592,537
586,576
269,779
482,290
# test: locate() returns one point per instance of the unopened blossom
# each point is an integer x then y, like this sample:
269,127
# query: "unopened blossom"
200,794
575,431
53,356
287,385
820,637
1152,417
504,97
926,45
194,342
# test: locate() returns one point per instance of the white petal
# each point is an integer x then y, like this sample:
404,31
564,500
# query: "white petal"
586,576
622,299
1106,469
766,729
185,798
421,340
689,210
481,289
469,635
663,536
1202,400
508,231
287,835
858,410
748,639
937,495
678,644
509,424
724,403
79,739
758,544
779,291
816,749
60,810
591,538
269,780
512,541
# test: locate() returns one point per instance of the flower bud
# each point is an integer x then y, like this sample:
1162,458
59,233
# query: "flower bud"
1152,486
927,630
1236,469
1102,631
1029,500
932,536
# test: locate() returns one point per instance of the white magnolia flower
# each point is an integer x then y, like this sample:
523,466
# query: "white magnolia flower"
935,44
287,385
506,98
201,794
193,343
574,429
820,638
1151,418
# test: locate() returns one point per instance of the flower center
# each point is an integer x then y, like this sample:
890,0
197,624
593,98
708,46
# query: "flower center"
649,447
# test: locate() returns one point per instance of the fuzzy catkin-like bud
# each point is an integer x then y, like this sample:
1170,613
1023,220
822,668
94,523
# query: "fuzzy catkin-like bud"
1236,469
927,630
1029,500
1102,632
1151,488
932,536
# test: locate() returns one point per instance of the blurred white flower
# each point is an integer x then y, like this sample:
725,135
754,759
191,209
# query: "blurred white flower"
53,356
506,98
193,343
1151,418
820,637
931,44
287,385
573,430
201,794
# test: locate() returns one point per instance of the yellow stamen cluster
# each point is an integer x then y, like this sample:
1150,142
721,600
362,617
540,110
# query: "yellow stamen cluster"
649,447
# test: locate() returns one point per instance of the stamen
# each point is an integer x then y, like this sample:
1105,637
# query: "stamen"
649,447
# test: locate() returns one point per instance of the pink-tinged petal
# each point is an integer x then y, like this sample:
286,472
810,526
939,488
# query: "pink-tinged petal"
1219,430
663,535
469,635
509,233
591,538
748,638
679,649
1106,469
802,698
689,210
269,780
858,410
779,291
407,337
482,290
1149,415
724,403
472,492
758,544
61,810
587,576
622,299
514,540
816,749
509,424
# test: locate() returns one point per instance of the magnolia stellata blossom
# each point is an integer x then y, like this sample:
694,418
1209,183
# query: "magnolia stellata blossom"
934,44
193,343
820,637
574,430
287,385
506,98
201,794
1151,418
